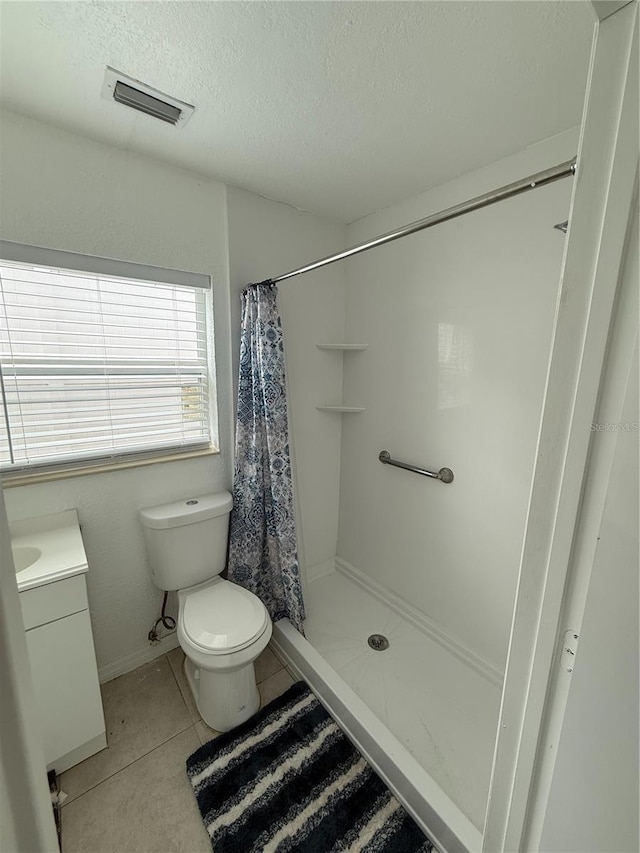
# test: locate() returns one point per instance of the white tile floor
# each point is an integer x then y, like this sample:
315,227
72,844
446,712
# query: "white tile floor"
444,712
134,796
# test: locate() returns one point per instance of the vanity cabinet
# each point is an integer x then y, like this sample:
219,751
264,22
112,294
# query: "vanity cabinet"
51,567
64,672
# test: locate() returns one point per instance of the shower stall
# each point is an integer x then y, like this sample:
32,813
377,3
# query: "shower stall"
434,624
446,344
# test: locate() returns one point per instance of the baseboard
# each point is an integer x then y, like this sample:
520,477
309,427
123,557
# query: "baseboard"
321,569
79,754
418,619
134,659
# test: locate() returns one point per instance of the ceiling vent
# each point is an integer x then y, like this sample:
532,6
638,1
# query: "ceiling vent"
137,95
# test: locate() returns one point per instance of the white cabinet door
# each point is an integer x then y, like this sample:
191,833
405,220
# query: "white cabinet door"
65,680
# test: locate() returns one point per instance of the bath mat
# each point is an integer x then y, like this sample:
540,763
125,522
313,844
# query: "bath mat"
288,780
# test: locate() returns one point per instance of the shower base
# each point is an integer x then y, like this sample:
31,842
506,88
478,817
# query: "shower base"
422,716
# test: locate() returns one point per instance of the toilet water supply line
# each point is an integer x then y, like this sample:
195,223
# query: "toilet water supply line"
168,622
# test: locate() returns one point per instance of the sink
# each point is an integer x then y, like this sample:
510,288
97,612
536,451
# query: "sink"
47,549
25,556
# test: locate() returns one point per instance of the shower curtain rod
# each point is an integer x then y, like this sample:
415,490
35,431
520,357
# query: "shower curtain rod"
540,179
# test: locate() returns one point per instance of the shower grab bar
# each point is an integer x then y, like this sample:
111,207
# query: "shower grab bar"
445,475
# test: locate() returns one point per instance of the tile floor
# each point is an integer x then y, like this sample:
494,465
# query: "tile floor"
134,796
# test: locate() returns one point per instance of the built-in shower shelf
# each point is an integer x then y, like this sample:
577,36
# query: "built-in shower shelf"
343,347
343,409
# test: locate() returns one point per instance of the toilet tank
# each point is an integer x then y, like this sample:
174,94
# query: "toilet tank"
187,540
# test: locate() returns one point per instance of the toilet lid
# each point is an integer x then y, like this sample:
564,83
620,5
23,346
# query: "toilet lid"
223,617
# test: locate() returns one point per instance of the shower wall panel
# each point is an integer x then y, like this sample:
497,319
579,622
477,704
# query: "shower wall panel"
459,322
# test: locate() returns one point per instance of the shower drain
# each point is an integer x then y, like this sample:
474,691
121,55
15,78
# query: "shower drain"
378,642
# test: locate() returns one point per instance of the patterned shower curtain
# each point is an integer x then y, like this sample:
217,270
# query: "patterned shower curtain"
263,554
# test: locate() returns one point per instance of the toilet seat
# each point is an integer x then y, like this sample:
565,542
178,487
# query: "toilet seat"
220,617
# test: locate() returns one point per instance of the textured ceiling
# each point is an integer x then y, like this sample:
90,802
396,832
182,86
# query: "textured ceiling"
339,108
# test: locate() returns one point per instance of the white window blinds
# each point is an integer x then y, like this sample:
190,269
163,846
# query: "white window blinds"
98,367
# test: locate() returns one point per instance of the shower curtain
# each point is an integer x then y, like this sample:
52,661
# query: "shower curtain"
263,554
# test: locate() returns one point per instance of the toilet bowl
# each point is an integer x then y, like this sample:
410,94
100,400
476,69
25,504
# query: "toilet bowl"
222,627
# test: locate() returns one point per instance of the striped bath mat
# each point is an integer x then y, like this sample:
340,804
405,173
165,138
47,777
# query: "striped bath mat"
289,780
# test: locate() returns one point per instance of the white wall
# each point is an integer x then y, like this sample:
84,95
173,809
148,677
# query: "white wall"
593,805
594,794
459,321
66,192
266,239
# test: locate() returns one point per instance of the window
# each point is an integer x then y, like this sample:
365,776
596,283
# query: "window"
99,367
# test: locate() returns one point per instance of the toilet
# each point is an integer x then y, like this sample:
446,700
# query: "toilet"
222,628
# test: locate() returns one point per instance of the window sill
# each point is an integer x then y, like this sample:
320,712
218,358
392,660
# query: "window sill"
30,478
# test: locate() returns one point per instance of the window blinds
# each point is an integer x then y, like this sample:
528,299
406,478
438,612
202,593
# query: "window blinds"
99,367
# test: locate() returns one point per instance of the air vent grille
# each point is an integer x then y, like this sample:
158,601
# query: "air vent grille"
139,96
145,103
